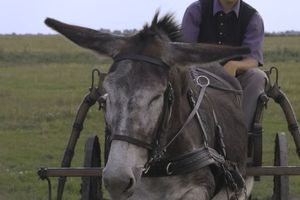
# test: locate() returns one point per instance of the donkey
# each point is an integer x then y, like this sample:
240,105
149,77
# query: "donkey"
164,119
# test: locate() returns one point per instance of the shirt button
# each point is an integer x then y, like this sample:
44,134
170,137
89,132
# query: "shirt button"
221,24
221,33
219,42
221,14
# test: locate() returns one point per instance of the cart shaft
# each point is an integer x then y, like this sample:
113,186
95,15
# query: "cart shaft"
273,171
97,171
70,172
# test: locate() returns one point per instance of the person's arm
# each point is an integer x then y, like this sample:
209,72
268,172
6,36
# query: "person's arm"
254,37
236,67
191,23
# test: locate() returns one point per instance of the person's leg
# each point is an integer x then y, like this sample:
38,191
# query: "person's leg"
253,83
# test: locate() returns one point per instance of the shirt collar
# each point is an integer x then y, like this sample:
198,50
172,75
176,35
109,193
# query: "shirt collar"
218,7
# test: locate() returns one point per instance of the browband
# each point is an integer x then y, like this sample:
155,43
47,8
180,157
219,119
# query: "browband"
137,57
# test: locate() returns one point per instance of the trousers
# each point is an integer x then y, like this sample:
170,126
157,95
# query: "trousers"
253,82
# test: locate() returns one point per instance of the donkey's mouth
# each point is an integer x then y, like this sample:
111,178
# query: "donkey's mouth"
129,194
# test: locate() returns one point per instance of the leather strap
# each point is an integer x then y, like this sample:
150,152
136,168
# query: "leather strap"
191,116
160,151
228,88
132,140
143,58
185,163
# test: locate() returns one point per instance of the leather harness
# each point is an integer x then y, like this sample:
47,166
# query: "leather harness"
158,164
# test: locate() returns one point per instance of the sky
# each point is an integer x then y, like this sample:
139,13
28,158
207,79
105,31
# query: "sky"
27,16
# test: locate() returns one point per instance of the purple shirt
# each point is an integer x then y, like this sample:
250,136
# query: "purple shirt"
253,38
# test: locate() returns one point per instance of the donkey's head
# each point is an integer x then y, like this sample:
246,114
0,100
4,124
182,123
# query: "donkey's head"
136,88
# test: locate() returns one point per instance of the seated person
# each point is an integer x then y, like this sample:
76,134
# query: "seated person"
235,23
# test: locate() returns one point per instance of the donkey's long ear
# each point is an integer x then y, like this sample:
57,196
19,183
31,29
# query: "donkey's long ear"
203,53
103,43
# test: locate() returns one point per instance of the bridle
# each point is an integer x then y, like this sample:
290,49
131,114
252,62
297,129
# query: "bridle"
158,165
168,101
158,152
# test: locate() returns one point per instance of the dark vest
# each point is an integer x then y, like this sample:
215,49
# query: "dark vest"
224,28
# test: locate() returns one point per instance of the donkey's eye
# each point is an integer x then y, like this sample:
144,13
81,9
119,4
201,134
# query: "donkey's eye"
154,99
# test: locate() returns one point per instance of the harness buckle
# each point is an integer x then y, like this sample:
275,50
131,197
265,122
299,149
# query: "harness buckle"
146,168
168,171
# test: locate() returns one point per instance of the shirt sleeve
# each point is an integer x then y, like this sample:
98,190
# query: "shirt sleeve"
254,38
191,23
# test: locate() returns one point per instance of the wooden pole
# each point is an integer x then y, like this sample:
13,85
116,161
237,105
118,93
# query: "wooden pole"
273,171
97,171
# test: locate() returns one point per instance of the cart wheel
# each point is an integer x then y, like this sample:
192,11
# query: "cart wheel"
91,187
281,183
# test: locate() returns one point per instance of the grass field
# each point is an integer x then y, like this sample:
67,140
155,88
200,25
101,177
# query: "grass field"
42,82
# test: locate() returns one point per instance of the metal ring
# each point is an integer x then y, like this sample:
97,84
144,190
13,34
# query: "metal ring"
95,72
168,169
276,74
199,81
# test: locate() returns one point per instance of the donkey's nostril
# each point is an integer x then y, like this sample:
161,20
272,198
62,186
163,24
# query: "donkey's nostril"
119,182
130,184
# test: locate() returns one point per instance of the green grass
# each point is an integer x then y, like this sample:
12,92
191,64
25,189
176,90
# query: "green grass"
38,105
44,78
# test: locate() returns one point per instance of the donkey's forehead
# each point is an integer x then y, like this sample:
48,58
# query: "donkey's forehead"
134,74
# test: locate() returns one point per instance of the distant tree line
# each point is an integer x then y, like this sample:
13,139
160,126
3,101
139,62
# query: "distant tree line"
283,33
125,32
128,32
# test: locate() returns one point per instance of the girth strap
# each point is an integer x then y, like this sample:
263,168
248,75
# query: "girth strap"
185,163
132,140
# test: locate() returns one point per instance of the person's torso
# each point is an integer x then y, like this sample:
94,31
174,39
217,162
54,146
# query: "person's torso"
227,29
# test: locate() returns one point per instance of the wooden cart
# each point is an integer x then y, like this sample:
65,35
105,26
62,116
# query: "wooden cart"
91,172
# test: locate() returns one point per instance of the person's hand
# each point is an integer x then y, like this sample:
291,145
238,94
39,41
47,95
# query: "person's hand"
231,67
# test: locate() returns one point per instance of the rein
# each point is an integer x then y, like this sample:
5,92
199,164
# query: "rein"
159,154
158,165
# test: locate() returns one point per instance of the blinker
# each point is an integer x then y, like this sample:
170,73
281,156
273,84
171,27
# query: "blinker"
170,94
102,101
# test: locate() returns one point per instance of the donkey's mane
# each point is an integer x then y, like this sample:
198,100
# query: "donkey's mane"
166,24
